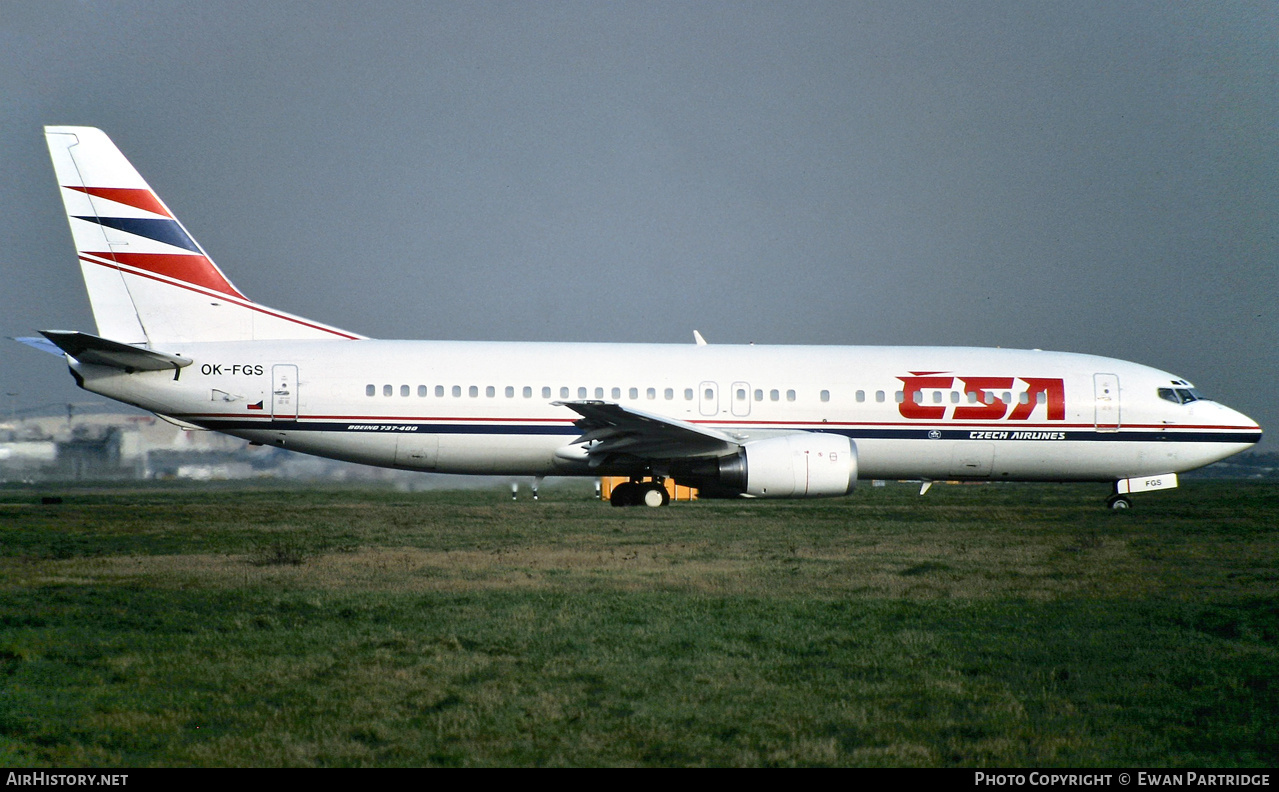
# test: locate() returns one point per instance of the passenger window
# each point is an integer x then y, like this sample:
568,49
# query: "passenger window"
825,395
879,396
510,391
688,394
599,393
1023,397
617,393
669,394
546,392
457,391
404,390
527,392
900,397
954,397
861,396
759,395
473,391
370,390
387,390
633,393
581,393
774,395
439,390
421,391
936,397
741,394
563,393
651,393
790,395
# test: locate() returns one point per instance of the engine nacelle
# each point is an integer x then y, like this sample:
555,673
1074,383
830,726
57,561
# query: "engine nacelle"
804,465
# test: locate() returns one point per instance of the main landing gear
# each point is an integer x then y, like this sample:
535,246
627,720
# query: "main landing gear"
640,493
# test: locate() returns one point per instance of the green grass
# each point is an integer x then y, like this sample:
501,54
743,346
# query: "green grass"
978,625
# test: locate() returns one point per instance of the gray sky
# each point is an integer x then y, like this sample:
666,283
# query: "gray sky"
1091,177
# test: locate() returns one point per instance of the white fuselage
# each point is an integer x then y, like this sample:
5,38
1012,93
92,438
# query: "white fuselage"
174,336
488,407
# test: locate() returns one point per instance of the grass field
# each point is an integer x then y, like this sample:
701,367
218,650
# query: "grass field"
979,625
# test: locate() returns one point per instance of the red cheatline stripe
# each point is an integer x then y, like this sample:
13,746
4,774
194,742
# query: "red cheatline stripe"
483,420
393,419
130,196
193,269
993,425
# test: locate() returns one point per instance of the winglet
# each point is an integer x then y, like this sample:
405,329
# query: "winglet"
697,339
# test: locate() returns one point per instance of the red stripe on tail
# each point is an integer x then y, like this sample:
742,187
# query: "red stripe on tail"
196,270
129,196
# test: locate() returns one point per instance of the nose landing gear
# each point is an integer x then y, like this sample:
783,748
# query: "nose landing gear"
1118,502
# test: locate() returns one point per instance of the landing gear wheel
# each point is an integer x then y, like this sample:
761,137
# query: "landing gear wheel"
1118,503
656,495
634,493
627,494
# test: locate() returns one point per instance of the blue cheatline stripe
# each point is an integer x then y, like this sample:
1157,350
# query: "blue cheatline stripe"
381,427
1048,435
983,435
166,231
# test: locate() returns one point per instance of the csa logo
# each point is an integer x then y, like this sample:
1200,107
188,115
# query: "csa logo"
981,398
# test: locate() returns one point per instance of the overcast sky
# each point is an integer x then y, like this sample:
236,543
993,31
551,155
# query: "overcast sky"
1091,177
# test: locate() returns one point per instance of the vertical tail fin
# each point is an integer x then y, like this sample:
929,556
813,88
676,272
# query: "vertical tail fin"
149,281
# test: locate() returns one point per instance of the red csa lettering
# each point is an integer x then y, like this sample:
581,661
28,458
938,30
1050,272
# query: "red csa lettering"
910,409
1054,393
991,407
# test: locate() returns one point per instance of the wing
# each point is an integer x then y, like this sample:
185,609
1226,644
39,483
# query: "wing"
613,429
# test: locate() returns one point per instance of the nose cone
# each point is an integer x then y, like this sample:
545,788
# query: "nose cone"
1225,432
1236,421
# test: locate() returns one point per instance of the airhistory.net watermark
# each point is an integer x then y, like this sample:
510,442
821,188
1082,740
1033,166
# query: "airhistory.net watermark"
40,778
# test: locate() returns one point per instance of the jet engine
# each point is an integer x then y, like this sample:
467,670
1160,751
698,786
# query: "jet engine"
802,465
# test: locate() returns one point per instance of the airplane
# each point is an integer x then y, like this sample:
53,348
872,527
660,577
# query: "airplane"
177,338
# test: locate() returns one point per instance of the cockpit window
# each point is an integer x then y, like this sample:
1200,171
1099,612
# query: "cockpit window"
1180,395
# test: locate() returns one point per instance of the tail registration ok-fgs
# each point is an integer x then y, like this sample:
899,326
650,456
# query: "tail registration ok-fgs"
175,337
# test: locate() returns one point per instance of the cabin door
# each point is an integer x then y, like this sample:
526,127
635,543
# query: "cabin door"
708,394
1106,392
741,399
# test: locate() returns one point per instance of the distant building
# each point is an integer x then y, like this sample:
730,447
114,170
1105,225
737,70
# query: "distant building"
123,446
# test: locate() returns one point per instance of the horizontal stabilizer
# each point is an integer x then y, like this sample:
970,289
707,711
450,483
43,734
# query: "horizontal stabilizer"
104,352
42,344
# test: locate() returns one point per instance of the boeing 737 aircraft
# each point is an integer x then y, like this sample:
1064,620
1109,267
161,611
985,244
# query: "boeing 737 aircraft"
175,337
